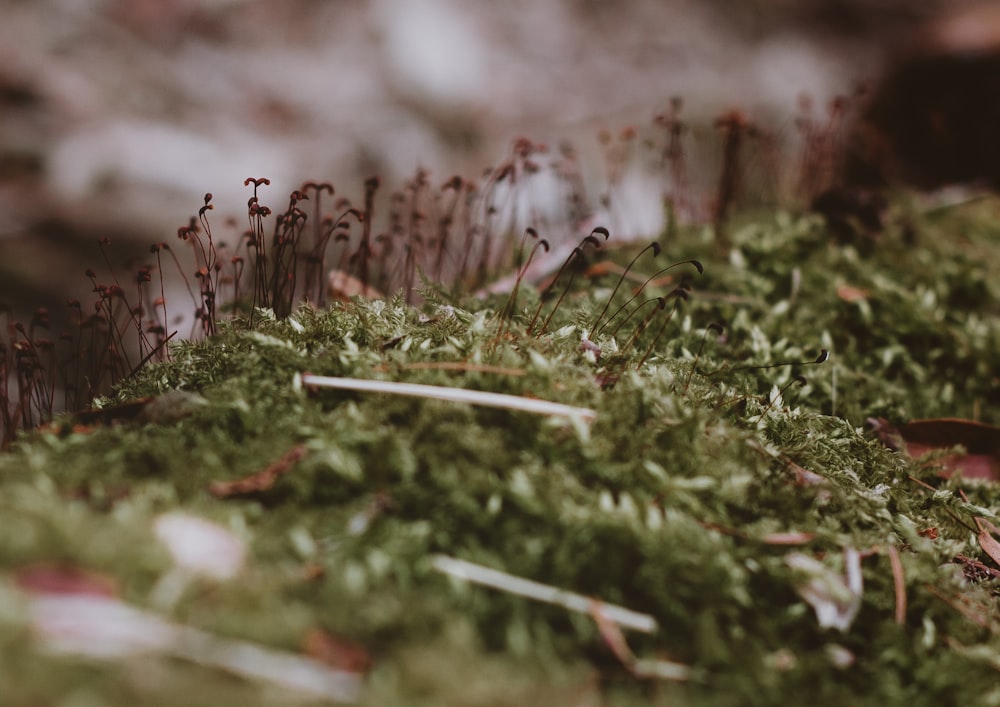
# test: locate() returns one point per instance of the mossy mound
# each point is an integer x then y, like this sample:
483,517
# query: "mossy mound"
709,471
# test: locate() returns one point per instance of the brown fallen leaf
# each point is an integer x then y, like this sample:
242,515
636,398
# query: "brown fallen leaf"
262,480
974,570
981,459
987,542
336,652
313,571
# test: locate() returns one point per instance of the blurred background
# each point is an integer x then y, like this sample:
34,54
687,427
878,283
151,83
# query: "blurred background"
116,116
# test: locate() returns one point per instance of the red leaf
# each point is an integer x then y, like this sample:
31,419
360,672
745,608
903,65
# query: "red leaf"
64,579
981,442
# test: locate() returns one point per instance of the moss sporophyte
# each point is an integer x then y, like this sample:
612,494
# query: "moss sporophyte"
607,480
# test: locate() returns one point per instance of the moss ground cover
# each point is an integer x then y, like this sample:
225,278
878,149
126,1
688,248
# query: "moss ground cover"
727,485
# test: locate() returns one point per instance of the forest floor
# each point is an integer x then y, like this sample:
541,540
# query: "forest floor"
719,490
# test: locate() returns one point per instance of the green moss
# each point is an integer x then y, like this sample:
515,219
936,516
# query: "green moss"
664,504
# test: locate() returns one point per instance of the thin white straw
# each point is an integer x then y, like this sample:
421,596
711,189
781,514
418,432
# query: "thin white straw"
542,592
109,629
459,395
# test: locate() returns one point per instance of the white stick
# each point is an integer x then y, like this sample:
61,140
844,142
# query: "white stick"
542,592
458,395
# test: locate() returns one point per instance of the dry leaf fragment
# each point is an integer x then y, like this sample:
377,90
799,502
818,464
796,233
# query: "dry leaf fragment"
981,442
847,293
336,652
613,637
64,579
804,478
987,542
262,480
537,270
789,538
974,570
976,437
343,287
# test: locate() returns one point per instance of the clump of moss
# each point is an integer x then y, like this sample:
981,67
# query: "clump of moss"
704,458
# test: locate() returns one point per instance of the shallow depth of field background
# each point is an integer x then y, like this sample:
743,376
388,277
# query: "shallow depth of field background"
116,116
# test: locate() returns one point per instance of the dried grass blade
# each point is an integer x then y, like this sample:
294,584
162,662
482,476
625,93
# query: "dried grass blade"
899,583
640,667
543,592
458,395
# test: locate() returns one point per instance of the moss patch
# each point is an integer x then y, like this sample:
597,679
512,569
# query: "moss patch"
669,503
